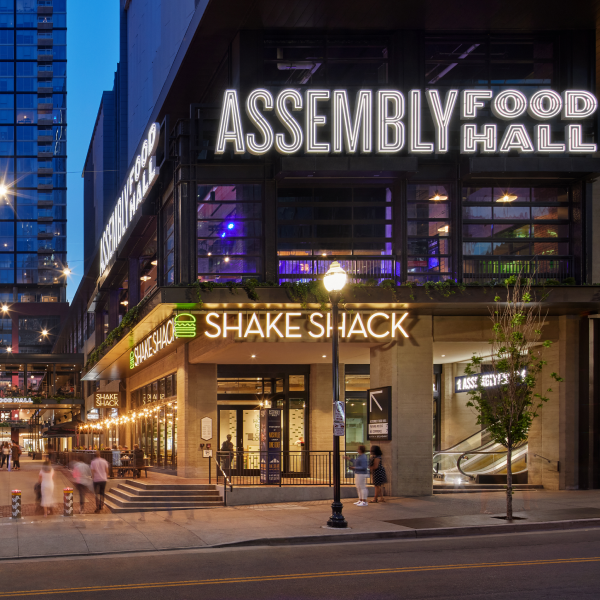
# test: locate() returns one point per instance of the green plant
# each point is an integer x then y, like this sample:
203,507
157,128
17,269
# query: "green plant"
508,408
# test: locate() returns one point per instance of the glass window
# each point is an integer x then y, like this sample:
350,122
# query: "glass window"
229,230
169,243
512,220
349,223
429,233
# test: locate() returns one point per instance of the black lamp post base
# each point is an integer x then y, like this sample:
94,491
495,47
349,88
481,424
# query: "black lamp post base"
336,520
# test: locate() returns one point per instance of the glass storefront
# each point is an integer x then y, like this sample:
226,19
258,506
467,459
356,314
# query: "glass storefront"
155,429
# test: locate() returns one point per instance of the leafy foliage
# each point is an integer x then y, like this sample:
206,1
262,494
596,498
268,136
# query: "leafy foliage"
508,410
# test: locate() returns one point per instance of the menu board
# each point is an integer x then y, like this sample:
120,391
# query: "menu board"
270,446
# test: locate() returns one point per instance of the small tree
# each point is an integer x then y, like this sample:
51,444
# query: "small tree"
507,405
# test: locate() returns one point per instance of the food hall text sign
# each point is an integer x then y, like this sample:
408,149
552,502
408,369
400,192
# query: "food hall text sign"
390,121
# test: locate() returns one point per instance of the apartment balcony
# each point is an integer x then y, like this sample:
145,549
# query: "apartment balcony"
44,90
45,172
43,42
45,120
44,72
45,154
45,138
44,26
45,186
45,10
44,105
44,56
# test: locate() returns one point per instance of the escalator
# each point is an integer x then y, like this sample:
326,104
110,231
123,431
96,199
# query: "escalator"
478,460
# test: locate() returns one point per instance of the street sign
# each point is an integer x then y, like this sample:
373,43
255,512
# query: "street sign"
379,413
339,419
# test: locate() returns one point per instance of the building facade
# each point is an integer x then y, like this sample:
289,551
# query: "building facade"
432,159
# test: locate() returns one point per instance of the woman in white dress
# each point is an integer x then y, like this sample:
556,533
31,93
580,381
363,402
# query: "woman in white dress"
47,485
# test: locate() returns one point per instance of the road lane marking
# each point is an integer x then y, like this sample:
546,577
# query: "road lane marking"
296,576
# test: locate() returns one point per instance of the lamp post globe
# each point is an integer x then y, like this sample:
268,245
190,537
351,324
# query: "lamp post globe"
335,278
334,282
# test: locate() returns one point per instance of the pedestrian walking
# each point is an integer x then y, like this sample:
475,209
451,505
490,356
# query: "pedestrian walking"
378,474
360,466
99,469
5,455
46,481
82,478
16,453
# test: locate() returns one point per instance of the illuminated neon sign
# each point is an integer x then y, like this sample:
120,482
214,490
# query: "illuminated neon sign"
377,123
254,326
142,177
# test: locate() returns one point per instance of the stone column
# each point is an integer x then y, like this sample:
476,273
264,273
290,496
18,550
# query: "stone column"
321,407
196,399
406,365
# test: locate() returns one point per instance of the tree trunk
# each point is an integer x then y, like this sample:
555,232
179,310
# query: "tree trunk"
509,505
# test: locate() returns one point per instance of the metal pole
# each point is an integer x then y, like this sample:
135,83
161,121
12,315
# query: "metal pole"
337,518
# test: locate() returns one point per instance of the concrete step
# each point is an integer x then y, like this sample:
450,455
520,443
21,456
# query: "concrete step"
142,492
478,488
125,494
151,503
128,509
137,483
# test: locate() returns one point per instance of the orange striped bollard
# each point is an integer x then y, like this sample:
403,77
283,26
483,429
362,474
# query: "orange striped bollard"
68,501
16,504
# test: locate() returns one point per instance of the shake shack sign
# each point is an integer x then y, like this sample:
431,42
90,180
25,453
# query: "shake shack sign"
107,399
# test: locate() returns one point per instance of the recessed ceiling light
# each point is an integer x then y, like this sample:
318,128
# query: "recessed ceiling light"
324,355
254,356
443,355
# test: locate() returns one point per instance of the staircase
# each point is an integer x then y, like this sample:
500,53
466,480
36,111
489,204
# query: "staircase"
136,496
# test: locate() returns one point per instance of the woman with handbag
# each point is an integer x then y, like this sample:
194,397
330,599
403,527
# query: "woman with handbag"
378,474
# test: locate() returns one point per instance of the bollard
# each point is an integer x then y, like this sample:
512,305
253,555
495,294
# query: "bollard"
16,504
68,496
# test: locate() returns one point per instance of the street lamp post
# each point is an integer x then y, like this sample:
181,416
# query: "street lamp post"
334,281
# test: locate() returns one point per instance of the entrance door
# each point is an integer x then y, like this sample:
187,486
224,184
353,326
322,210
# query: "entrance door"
243,424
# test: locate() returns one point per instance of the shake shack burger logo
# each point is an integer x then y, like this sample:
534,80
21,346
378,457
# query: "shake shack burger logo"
185,326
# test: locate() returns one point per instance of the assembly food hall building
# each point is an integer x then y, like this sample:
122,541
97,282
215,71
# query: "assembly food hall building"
431,164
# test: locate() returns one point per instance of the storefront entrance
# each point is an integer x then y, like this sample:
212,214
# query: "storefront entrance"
240,401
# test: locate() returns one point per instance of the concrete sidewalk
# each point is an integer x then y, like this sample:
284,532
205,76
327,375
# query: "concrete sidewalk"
300,522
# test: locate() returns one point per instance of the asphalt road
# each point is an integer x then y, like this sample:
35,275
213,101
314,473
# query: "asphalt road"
538,565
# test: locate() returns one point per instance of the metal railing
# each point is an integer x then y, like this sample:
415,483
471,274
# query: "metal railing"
298,467
496,268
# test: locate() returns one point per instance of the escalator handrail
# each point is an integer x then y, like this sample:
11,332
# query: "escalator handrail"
481,431
501,452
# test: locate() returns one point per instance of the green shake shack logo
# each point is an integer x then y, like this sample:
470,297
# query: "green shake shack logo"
185,326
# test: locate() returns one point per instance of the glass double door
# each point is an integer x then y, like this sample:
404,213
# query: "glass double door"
157,436
243,425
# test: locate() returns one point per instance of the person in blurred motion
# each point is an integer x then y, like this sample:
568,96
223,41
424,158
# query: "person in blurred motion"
16,453
99,468
46,481
82,478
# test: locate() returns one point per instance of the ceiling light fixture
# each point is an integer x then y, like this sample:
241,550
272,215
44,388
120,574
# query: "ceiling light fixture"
438,196
506,197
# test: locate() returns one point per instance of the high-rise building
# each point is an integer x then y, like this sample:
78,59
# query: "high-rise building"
33,157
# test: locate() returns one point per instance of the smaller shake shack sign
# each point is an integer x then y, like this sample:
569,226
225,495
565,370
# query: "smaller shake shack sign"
107,399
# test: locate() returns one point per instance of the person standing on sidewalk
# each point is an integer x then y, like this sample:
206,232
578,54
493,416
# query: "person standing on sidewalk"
138,459
361,470
378,474
99,468
5,455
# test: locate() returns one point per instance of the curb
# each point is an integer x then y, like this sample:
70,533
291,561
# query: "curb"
418,533
343,538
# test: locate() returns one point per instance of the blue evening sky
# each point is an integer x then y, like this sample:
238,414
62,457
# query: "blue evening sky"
92,55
